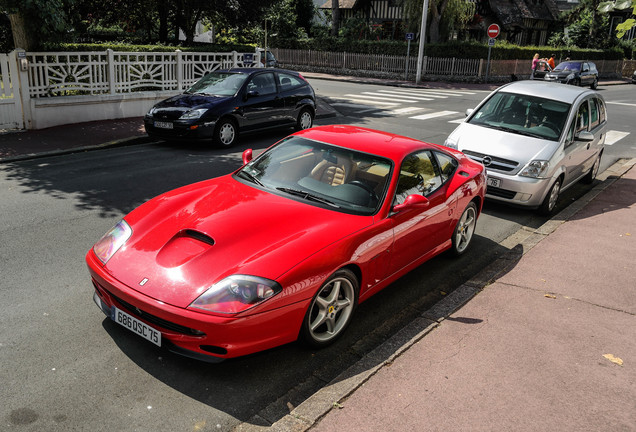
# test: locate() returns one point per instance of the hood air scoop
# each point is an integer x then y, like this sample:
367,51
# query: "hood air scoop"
182,247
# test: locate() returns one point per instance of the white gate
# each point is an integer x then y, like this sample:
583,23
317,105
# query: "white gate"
11,116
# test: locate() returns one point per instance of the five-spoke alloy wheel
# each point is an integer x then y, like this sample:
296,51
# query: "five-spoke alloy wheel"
464,229
331,309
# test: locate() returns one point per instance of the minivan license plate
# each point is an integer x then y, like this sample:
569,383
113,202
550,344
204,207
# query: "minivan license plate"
136,326
494,182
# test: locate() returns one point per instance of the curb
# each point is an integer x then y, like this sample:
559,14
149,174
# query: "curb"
313,409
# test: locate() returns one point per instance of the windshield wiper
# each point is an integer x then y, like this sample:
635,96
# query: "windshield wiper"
249,176
308,196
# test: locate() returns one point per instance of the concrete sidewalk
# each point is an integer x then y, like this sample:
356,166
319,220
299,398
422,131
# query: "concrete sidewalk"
544,339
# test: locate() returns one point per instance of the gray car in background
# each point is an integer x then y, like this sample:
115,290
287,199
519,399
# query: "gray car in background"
535,139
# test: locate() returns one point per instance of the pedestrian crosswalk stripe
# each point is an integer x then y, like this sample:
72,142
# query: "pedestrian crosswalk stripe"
622,103
376,96
412,94
612,137
427,92
459,120
433,115
406,110
356,98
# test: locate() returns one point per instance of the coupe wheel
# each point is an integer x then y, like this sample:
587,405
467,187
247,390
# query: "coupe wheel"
464,229
331,309
305,119
549,202
591,176
226,133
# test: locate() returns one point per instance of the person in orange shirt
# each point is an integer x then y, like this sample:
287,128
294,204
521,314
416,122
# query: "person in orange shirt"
551,61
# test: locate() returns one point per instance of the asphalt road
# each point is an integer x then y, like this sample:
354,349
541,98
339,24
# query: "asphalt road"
66,367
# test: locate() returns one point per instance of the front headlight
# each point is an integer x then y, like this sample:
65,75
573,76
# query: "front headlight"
151,111
193,114
570,77
535,169
450,143
112,241
236,294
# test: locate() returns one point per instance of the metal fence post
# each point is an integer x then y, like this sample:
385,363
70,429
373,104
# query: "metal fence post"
179,71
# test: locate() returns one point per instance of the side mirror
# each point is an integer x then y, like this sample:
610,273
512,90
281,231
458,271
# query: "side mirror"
412,201
469,111
247,156
251,94
585,136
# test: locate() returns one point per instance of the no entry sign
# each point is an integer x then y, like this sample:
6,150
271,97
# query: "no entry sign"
493,30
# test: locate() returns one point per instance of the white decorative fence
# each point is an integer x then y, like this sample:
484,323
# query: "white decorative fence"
92,73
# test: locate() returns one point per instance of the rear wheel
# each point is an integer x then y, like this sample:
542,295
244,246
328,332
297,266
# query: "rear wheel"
591,176
464,230
226,133
550,201
305,119
331,309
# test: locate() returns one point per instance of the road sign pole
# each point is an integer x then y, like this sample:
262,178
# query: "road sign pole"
408,52
488,63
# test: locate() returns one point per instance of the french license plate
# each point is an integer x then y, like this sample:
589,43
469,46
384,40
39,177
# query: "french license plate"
163,125
136,326
494,182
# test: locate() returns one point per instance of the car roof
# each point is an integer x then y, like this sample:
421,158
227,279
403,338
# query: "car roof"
366,140
547,90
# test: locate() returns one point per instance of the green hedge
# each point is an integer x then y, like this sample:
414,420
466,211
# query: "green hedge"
501,50
457,49
74,47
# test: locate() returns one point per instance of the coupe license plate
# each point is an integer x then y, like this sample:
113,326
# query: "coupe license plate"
163,125
494,182
136,326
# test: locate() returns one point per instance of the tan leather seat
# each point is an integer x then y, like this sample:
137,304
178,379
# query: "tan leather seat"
333,173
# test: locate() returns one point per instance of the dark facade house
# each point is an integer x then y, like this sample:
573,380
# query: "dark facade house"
523,22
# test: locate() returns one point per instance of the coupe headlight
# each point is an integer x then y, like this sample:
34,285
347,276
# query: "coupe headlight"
193,114
114,239
236,294
535,169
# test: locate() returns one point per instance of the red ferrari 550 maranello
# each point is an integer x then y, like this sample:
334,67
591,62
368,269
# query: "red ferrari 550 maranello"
286,246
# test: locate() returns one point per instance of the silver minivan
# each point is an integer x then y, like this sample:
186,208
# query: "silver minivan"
535,139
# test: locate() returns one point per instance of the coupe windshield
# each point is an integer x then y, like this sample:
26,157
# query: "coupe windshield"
322,174
568,66
523,115
218,84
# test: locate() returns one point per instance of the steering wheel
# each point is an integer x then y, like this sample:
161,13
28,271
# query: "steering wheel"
366,187
550,126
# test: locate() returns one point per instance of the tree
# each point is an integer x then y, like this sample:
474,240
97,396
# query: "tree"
335,17
35,21
444,16
628,24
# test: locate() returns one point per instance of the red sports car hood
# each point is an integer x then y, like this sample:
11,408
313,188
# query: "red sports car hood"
186,240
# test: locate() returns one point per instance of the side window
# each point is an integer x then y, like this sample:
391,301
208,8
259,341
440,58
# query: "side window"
264,84
594,115
583,118
419,174
447,165
570,136
601,110
287,81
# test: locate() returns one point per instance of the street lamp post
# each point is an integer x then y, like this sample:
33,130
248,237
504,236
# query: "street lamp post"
418,75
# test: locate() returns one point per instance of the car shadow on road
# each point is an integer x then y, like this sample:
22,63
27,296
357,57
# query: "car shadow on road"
261,389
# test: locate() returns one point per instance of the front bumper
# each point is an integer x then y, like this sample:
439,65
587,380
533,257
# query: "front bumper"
179,129
517,190
198,335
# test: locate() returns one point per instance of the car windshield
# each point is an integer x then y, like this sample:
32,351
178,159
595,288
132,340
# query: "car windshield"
568,66
218,84
523,115
321,174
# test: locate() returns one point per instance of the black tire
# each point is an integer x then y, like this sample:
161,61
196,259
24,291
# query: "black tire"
591,175
331,309
550,200
464,230
226,133
594,85
305,119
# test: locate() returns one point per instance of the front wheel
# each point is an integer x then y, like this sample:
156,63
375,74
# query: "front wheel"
226,133
464,230
305,119
331,309
549,202
594,84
